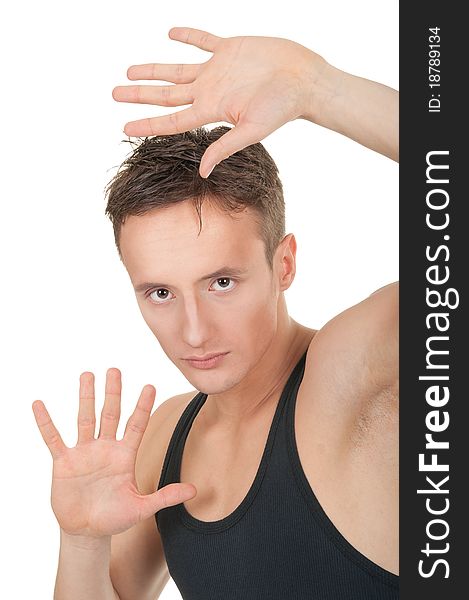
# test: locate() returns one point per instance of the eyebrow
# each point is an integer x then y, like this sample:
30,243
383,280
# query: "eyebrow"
222,272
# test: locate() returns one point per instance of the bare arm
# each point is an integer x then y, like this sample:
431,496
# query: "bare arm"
365,335
363,110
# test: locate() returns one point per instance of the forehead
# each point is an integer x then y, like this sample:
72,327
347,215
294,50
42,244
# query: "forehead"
167,240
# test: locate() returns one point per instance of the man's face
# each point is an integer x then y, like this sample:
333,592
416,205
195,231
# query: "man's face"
207,293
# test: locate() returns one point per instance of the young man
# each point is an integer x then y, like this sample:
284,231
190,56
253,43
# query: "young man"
287,446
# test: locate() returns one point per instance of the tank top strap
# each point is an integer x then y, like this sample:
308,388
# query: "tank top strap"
291,389
173,455
294,381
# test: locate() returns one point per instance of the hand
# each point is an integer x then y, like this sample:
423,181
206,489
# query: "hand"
255,83
94,491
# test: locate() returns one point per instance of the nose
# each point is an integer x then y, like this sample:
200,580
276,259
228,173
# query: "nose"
195,324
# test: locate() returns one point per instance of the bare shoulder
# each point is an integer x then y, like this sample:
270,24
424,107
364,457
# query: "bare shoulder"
356,352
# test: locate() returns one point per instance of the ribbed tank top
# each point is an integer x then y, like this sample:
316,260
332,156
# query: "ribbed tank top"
278,544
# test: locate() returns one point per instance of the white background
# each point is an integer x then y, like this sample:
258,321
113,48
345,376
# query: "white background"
67,305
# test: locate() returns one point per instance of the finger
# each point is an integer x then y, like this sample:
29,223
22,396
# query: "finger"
86,413
195,37
177,122
181,73
48,430
138,421
111,412
171,494
162,95
235,139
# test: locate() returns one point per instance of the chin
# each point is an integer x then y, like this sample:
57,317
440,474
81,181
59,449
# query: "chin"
210,381
211,385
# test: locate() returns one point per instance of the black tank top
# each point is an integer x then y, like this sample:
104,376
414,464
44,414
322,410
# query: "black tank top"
278,544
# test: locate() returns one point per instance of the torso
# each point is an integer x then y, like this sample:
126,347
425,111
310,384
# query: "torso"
349,456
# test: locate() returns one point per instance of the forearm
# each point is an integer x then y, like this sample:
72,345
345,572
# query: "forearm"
363,110
83,570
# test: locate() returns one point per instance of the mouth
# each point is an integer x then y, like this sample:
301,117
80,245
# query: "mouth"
206,362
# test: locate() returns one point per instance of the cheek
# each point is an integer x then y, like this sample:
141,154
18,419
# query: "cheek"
161,328
147,314
258,319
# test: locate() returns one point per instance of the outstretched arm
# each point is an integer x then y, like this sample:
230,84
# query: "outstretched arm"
258,84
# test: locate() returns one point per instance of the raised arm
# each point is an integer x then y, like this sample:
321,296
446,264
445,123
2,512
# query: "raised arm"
363,110
258,84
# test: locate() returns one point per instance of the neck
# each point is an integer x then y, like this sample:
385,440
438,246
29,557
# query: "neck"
264,383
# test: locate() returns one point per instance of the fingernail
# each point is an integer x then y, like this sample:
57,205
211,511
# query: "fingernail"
208,174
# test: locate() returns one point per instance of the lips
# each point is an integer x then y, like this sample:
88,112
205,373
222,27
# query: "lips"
206,357
209,361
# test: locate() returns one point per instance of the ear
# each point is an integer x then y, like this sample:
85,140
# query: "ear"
285,260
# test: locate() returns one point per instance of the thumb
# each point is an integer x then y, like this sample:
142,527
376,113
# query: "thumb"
169,495
232,141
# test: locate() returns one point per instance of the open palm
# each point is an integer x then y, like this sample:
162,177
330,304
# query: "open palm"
94,491
255,83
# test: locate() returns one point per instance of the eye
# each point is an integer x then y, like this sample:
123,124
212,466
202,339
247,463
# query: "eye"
224,283
159,296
